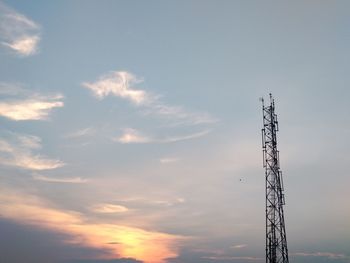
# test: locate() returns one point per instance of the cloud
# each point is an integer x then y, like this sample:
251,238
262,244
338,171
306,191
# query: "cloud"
321,254
182,116
12,89
25,46
32,109
29,141
168,160
17,150
133,136
118,83
122,260
176,201
117,241
146,201
121,84
235,258
184,137
81,133
17,32
72,180
109,208
20,104
239,246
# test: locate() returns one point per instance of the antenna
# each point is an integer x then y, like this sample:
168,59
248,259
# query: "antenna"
262,100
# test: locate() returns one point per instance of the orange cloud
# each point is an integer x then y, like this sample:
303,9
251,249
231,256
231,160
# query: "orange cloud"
116,240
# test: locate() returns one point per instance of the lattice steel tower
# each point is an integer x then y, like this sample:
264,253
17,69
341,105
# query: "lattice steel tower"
276,241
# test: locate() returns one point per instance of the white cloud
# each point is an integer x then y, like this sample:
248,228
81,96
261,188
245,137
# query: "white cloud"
17,32
109,208
118,83
26,45
121,84
32,109
22,105
72,180
18,151
133,136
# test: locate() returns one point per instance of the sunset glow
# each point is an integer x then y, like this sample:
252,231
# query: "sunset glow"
117,241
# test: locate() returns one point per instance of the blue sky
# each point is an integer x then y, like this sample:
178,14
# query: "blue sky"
130,131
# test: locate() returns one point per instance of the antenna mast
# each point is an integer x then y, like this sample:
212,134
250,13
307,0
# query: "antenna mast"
276,241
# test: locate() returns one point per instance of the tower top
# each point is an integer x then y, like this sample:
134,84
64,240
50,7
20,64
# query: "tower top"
272,100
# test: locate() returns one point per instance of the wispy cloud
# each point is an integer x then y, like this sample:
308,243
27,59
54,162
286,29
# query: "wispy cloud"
20,104
173,202
146,201
185,137
239,246
18,32
114,239
109,208
133,136
121,84
178,114
168,160
12,89
71,180
18,150
225,258
329,255
81,133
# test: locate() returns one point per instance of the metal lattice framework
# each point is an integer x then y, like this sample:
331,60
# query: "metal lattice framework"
276,241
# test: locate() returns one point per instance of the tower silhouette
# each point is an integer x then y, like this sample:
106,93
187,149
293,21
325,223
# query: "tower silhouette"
276,241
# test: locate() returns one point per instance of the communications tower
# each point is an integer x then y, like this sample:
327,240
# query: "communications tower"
276,241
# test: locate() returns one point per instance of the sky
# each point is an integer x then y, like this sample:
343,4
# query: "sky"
130,131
